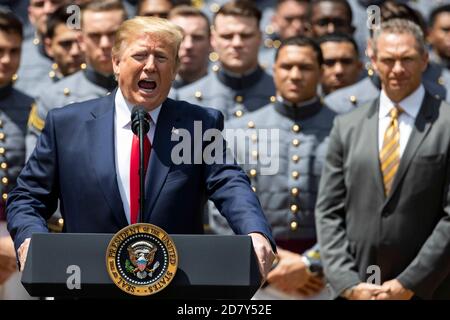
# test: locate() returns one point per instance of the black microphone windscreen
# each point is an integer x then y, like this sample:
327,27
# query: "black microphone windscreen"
139,113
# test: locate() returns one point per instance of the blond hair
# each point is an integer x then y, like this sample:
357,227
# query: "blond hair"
134,28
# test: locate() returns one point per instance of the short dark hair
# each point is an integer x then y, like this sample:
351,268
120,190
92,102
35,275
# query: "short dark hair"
338,37
437,11
9,22
307,2
104,5
345,3
241,8
300,41
60,16
188,11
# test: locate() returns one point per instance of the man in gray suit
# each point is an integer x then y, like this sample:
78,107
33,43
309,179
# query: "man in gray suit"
383,210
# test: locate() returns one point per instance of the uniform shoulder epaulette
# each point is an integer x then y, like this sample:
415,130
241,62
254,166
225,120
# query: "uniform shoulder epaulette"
34,120
197,3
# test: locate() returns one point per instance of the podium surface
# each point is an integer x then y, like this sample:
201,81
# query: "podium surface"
209,267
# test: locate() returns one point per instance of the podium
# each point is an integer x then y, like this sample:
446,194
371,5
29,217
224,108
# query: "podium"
209,267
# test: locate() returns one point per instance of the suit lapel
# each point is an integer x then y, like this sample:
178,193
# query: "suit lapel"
102,155
370,135
160,159
422,126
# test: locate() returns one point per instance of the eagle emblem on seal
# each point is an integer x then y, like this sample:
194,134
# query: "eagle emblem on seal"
141,255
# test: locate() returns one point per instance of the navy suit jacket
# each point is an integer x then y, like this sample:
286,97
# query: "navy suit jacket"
74,161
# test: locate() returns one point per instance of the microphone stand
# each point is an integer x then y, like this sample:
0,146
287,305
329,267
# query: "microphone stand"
141,171
140,124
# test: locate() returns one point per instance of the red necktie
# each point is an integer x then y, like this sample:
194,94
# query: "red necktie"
134,174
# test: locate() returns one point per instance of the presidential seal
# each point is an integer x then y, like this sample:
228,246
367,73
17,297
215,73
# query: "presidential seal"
141,259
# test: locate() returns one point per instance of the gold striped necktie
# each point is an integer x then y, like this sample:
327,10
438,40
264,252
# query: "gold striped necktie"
390,152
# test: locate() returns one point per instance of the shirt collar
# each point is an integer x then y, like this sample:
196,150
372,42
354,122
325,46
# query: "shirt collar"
411,104
123,111
298,111
240,82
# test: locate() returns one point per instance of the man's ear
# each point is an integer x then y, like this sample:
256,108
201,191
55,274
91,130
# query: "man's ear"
321,73
425,60
115,64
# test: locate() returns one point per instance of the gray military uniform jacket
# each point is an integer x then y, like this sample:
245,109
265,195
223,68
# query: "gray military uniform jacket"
80,86
283,154
233,96
14,110
35,66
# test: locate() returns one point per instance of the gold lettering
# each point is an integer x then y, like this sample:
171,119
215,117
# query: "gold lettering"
112,253
133,230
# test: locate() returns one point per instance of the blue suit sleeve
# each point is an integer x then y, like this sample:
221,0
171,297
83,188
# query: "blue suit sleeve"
229,188
35,197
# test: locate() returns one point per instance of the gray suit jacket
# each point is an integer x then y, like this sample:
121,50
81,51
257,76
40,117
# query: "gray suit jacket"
407,234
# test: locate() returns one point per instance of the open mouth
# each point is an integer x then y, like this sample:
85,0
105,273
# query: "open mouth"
147,85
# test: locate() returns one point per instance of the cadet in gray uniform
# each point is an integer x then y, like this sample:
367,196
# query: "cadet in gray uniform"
285,168
341,64
439,36
61,45
100,20
14,109
35,63
195,47
291,18
267,8
238,84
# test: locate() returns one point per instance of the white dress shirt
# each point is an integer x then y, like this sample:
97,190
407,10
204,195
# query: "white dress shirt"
411,106
123,137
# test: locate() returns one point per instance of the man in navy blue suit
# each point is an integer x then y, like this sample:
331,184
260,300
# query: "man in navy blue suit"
83,156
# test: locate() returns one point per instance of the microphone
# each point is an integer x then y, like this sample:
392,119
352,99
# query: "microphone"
138,115
140,124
